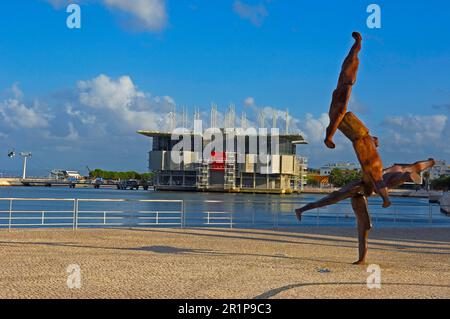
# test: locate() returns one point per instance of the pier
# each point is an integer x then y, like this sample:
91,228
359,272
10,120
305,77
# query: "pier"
50,182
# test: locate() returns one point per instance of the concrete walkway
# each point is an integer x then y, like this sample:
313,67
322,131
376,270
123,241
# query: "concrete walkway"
209,263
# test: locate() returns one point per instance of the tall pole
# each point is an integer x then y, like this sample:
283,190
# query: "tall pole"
25,156
24,175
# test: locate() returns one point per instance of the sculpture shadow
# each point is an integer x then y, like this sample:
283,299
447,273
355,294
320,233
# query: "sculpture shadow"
345,241
274,292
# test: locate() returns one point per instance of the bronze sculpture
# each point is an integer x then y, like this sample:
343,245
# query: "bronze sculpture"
374,179
365,145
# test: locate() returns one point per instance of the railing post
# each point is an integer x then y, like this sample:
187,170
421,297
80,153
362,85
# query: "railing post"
157,218
183,218
275,220
317,217
104,218
395,214
74,217
430,210
207,218
76,213
43,218
231,219
10,214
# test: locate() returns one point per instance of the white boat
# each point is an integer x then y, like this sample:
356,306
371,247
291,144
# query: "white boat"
445,203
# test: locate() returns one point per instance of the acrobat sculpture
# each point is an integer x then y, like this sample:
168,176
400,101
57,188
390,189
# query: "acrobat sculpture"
375,179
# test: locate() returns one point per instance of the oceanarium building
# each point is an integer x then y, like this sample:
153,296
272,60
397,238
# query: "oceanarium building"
230,169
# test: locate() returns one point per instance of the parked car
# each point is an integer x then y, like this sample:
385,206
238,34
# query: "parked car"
145,184
97,182
128,184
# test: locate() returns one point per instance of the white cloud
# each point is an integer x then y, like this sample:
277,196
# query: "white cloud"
250,101
73,133
256,14
16,114
71,136
417,129
122,100
421,136
83,117
314,128
16,91
148,15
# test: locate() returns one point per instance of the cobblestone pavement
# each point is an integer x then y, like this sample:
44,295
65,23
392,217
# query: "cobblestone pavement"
218,263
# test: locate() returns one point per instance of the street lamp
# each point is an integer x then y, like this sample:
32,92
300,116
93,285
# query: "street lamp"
25,155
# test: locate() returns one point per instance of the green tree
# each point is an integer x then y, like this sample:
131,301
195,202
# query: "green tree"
442,183
340,178
99,173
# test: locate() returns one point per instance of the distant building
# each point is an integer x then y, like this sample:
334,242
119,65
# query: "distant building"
439,169
223,172
327,169
63,174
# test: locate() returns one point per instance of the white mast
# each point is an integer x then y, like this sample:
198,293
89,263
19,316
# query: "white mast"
25,155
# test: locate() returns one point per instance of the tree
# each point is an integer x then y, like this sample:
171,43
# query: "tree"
442,183
98,173
340,178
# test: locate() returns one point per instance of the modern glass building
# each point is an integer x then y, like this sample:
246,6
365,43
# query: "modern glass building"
245,163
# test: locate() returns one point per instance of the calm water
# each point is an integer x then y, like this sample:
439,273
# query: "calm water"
242,210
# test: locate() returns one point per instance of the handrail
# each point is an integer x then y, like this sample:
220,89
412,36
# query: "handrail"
36,199
76,215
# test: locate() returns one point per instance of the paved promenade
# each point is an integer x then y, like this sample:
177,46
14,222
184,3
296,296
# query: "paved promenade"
211,263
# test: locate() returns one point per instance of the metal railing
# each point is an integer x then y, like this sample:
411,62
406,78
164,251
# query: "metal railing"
219,219
84,213
28,217
17,214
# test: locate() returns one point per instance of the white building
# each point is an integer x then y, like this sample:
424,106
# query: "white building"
327,169
64,174
440,169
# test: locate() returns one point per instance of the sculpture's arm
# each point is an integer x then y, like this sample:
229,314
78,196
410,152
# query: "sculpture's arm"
417,167
413,170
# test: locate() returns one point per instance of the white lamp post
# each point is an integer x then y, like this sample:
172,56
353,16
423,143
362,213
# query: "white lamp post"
25,155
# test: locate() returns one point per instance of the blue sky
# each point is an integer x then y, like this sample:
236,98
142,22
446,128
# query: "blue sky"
76,97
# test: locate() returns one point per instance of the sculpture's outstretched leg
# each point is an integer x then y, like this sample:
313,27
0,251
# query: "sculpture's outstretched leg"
348,191
341,95
361,209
